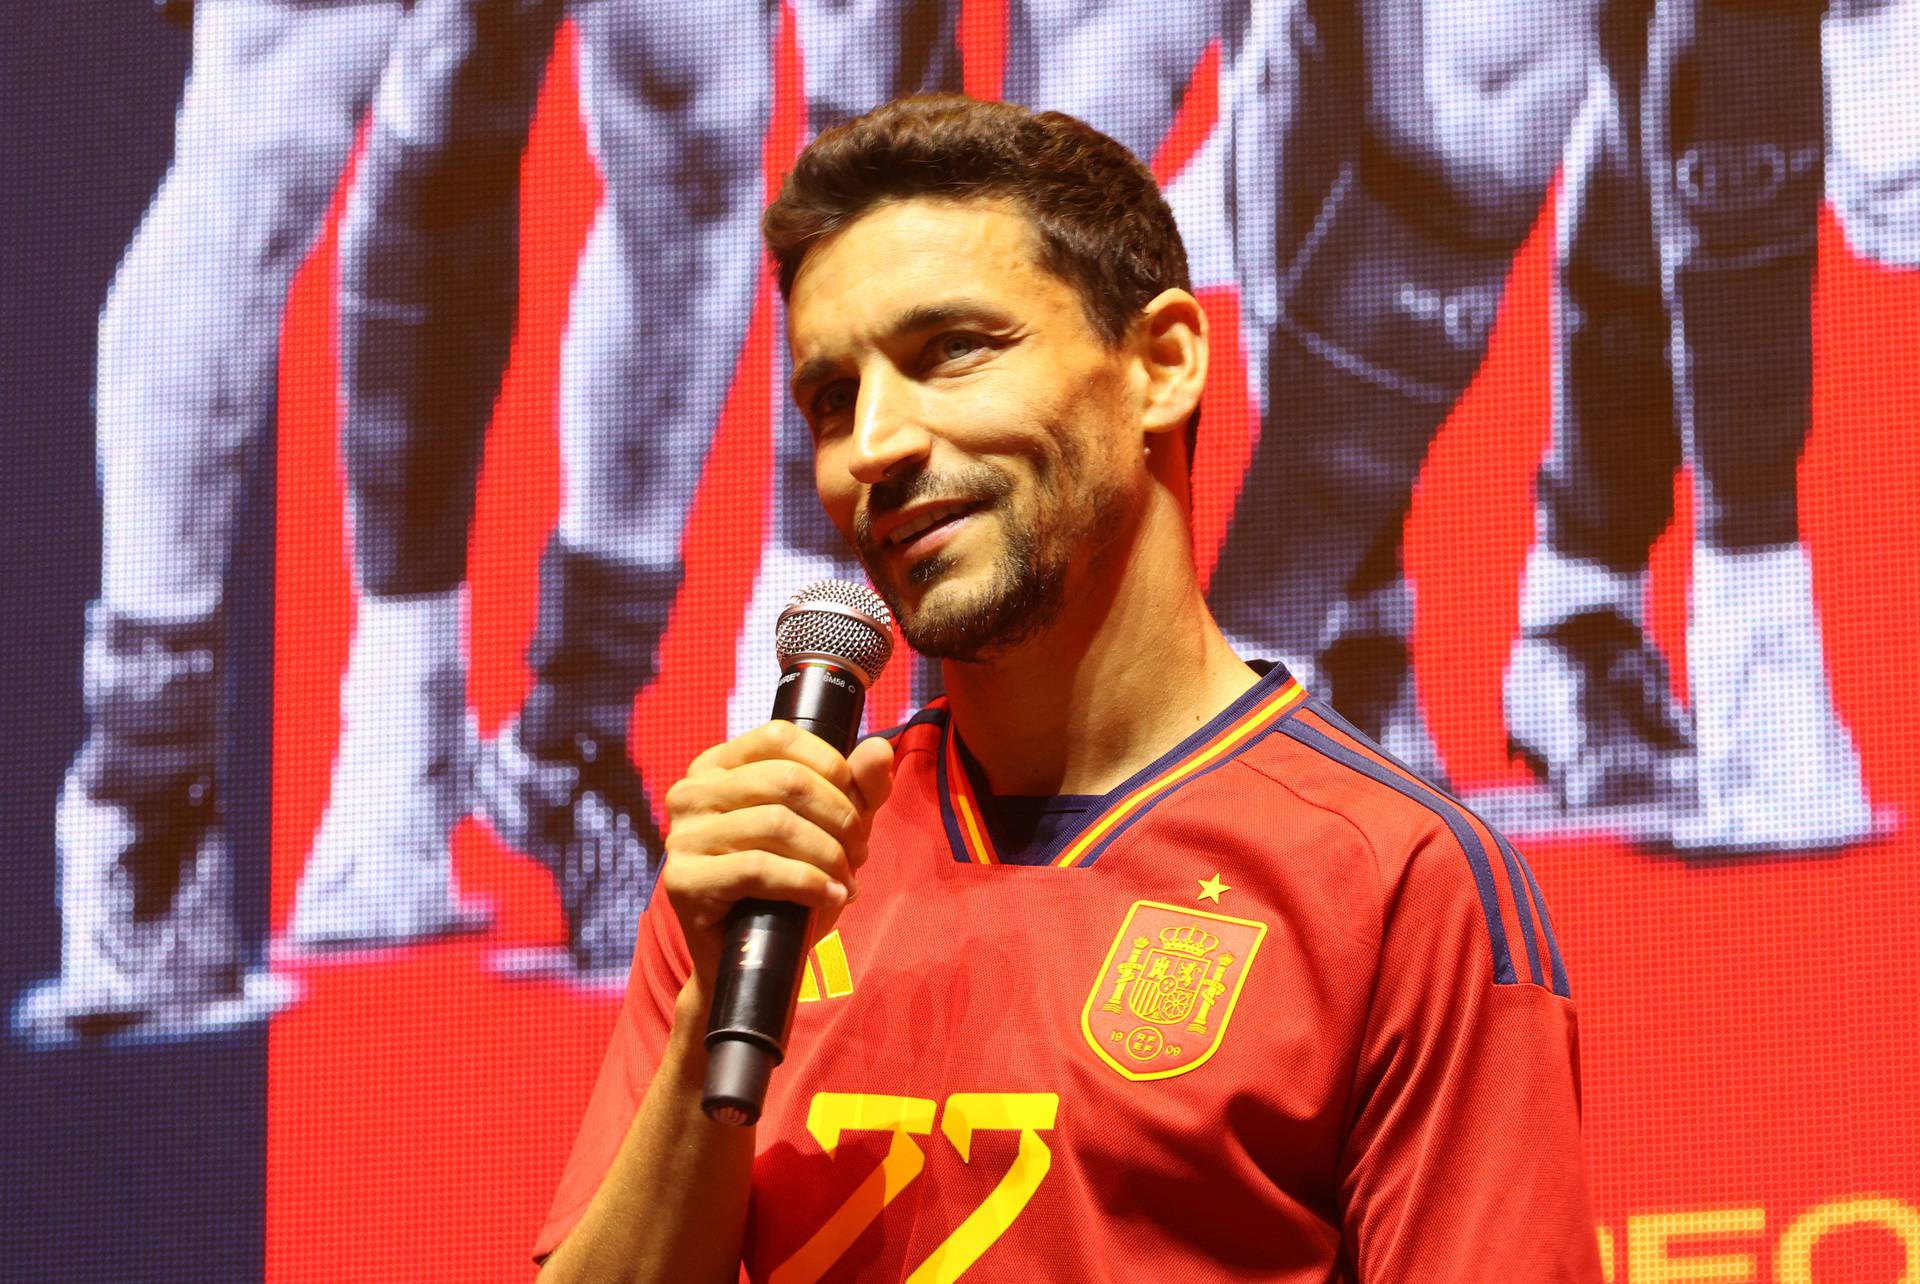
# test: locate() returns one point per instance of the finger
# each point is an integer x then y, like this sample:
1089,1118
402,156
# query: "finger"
871,765
769,782
773,740
707,887
820,923
771,827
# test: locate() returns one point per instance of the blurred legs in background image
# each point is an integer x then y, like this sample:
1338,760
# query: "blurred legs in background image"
427,301
1589,702
1120,65
1414,143
1870,49
1384,162
677,100
188,346
1683,330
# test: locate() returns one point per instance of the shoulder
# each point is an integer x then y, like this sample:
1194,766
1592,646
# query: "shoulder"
1317,758
1433,857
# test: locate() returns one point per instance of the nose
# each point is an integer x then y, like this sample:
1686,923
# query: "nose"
889,432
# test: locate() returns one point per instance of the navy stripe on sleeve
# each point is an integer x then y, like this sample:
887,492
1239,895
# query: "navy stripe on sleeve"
1561,986
1455,820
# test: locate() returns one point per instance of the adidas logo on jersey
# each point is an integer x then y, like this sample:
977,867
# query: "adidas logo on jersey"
827,971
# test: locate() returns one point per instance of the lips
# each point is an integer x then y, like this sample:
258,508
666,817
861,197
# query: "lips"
917,521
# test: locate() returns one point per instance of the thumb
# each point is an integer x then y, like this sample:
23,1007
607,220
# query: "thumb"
872,765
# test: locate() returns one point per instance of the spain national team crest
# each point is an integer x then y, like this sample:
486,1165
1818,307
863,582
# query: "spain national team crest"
1164,998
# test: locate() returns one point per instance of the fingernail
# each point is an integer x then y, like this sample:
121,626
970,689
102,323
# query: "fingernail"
854,894
836,893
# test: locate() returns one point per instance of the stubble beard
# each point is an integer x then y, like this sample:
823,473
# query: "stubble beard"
1022,598
1026,592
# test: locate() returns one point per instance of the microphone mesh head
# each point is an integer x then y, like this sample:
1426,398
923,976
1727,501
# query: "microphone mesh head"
836,621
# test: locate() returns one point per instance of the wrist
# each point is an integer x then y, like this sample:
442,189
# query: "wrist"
687,1044
690,1007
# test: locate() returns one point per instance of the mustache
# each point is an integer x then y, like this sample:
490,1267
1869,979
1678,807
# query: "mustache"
975,483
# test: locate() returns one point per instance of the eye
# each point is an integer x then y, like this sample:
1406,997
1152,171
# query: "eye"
831,400
957,345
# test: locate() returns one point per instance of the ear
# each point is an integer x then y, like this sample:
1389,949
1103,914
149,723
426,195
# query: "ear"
1171,334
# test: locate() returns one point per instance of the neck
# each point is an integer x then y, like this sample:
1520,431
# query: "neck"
1132,666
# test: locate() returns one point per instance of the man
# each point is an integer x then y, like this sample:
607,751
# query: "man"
1683,330
676,109
676,103
1390,160
189,336
428,296
1870,48
1109,839
188,343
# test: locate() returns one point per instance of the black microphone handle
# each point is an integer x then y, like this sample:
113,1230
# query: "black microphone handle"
765,949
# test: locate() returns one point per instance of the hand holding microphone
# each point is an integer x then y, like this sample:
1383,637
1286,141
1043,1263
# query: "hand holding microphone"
768,829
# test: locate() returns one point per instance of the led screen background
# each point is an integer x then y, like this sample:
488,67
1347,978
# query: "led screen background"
1749,1022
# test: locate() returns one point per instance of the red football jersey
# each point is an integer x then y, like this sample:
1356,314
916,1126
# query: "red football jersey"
1274,1010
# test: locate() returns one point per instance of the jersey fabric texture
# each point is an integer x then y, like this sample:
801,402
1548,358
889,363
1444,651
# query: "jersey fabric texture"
1274,1009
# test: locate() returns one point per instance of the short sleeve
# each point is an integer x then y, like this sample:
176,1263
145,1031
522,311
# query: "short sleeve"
1463,1159
660,967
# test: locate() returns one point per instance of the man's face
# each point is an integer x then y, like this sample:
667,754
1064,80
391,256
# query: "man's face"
976,440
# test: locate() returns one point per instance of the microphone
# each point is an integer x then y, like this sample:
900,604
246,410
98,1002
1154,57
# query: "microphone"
833,639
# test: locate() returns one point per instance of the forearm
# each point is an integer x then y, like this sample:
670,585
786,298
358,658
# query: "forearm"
673,1206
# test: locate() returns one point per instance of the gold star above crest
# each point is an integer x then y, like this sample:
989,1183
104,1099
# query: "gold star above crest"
1210,889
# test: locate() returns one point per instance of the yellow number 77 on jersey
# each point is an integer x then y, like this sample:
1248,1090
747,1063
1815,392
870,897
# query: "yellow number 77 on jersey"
834,1113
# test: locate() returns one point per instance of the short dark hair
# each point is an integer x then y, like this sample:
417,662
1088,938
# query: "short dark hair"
1102,225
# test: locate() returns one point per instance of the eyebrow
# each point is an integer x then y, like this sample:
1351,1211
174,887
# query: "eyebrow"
924,316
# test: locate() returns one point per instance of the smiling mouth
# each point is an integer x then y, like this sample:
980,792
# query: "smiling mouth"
932,518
